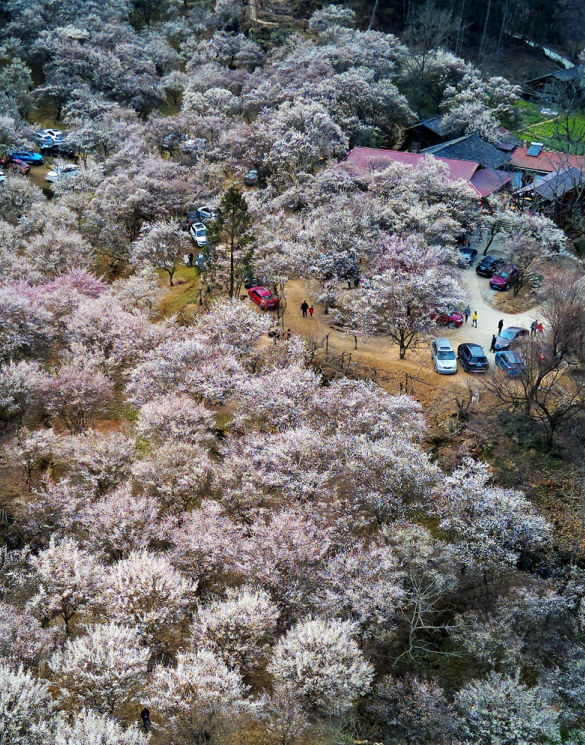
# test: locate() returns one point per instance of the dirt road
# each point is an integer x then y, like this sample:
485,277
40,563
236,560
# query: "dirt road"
380,353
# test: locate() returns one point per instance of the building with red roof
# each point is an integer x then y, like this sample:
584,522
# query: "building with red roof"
535,158
483,180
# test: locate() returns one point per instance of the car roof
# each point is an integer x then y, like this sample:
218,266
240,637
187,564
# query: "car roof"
473,347
515,328
260,290
443,344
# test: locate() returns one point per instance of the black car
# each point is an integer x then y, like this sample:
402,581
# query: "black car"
509,336
466,257
472,358
488,266
59,149
251,282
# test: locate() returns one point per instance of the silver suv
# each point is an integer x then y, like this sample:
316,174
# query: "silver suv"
443,355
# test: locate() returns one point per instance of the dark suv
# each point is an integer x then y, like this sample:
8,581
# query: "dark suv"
472,358
489,265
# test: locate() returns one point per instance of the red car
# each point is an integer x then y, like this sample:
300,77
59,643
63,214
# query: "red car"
263,298
453,320
16,165
505,277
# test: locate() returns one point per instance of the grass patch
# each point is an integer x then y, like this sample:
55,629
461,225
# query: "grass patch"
545,128
185,290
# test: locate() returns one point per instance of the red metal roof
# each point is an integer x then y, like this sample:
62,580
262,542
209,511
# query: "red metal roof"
486,181
546,162
370,159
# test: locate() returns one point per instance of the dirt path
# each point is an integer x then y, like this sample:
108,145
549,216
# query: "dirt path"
378,352
488,317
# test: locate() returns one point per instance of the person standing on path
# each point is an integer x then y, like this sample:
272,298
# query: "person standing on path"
493,346
311,311
145,716
540,328
474,319
533,327
305,308
500,325
467,313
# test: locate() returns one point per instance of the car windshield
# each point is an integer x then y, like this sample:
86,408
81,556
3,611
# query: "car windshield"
508,333
504,275
445,355
200,232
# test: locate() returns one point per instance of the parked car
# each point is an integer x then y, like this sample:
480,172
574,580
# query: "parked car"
443,355
251,178
510,363
54,134
453,320
45,141
16,165
263,298
489,265
206,214
62,172
505,277
60,149
472,358
198,232
466,257
26,156
250,282
172,140
508,337
2,177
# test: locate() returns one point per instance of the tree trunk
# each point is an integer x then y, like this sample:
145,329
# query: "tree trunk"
372,16
491,240
502,27
231,268
460,28
485,25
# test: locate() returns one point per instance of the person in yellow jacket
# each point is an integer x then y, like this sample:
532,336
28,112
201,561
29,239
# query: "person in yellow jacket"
474,319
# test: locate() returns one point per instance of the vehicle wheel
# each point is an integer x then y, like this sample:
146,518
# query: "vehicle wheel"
451,325
506,287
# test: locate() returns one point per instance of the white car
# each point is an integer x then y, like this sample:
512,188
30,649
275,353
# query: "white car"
443,355
53,134
62,172
206,213
2,177
198,232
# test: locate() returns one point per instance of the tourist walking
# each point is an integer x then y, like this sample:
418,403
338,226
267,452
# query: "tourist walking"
533,327
500,325
474,319
145,716
311,311
467,313
493,346
305,308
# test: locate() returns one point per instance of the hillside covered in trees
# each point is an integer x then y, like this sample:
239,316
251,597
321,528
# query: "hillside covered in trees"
204,517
